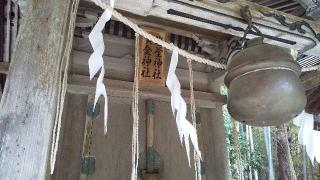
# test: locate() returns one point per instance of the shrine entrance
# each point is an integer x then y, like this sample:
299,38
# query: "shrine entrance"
88,154
96,91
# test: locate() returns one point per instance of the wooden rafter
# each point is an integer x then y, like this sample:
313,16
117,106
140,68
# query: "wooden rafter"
207,17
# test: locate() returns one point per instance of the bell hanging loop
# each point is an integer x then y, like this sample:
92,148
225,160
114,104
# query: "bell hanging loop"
247,16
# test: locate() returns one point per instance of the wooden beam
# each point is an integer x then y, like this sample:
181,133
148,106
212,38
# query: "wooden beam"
4,68
216,74
123,48
122,68
29,102
311,80
79,84
208,17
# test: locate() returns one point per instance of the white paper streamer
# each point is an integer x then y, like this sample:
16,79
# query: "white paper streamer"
96,60
307,136
179,108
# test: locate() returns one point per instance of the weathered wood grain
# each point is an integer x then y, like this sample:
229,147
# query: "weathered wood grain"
81,85
215,150
216,157
113,151
123,69
155,71
168,145
70,147
29,100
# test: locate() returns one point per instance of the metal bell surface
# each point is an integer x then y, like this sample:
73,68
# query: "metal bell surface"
264,85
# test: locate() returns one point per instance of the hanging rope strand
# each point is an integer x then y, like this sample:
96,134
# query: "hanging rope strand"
197,162
135,112
63,88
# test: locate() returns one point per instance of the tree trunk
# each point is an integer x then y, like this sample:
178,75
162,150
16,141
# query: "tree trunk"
255,172
312,170
249,154
286,170
235,137
29,101
304,163
267,139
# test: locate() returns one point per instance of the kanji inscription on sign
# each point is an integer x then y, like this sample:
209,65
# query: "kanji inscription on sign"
153,59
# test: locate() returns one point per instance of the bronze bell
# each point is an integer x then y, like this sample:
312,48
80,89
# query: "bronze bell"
264,85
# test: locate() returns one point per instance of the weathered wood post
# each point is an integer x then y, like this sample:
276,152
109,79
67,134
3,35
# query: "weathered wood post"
215,150
29,101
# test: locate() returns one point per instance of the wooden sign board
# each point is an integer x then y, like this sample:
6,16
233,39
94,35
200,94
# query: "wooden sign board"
153,59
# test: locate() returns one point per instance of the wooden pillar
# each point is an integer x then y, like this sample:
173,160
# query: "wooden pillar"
29,101
215,151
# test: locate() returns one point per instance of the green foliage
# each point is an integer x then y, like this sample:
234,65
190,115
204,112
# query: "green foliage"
257,158
260,151
229,141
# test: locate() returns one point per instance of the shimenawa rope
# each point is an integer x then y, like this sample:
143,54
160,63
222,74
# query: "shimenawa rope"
181,52
152,38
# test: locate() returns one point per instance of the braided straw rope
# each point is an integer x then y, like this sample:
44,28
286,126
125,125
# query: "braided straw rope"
184,53
62,87
197,163
152,38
